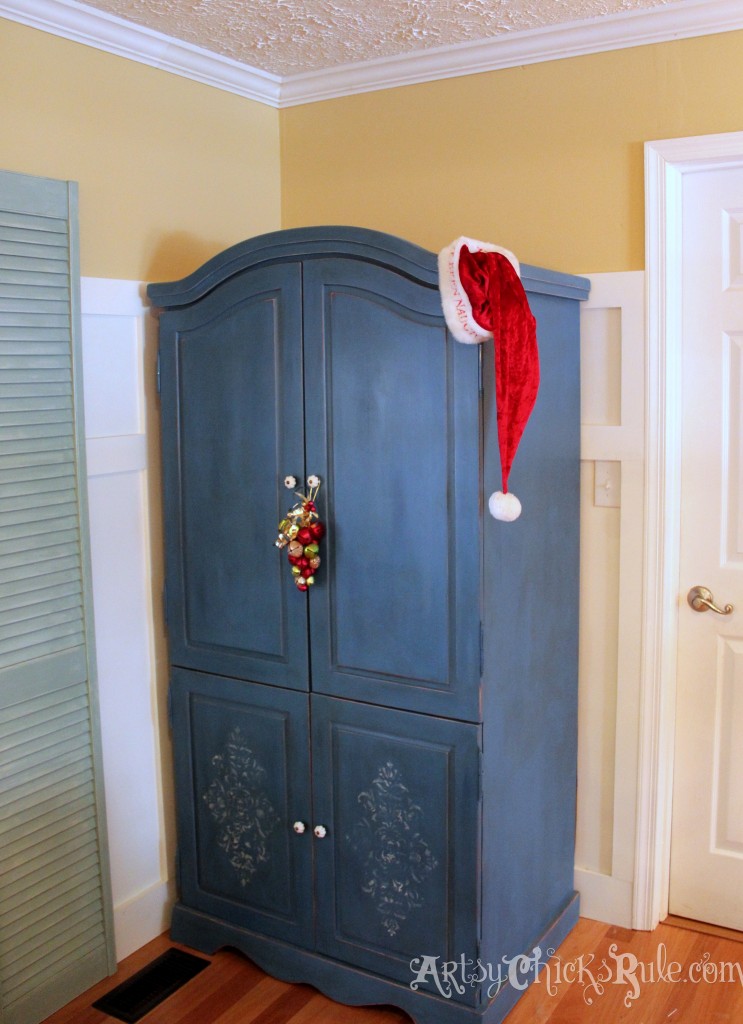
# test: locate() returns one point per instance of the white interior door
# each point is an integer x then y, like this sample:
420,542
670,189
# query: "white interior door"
706,876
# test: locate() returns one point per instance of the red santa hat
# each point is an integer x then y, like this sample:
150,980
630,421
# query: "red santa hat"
483,297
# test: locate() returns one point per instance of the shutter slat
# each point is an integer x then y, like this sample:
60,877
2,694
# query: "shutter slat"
34,333
54,910
34,235
52,640
34,388
31,910
40,731
41,451
22,432
34,348
41,307
26,955
18,474
35,320
49,538
45,969
35,398
32,222
47,500
36,515
64,772
16,603
31,528
56,927
24,249
37,486
42,609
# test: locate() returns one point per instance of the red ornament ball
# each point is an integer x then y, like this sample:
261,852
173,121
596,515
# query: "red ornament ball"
318,530
304,536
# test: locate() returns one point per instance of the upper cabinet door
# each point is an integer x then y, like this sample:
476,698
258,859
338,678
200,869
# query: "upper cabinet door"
232,406
392,428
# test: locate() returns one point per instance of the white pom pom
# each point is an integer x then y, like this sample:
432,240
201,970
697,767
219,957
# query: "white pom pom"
505,507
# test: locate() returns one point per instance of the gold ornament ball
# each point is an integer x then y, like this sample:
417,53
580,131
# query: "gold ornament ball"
314,563
295,549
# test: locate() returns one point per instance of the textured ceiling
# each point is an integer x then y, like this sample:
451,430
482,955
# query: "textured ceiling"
287,37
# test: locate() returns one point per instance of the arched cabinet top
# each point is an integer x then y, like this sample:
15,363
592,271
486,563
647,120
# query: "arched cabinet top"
328,242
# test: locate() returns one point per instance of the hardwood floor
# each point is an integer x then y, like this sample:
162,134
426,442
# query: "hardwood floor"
675,973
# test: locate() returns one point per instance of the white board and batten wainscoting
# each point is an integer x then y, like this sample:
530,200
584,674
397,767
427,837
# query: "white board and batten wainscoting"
121,409
119,346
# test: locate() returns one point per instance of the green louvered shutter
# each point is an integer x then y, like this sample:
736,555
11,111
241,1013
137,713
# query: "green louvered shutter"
55,908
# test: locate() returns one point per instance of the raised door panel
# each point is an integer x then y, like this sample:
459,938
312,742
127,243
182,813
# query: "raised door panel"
242,779
231,378
393,429
397,871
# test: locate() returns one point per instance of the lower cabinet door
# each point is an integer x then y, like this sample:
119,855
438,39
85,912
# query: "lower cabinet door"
242,772
397,868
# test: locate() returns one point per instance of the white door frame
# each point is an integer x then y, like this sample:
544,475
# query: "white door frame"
666,162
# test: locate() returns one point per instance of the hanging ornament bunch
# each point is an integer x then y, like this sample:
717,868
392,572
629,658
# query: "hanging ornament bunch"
300,532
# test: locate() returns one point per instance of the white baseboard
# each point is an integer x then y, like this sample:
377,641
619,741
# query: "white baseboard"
142,918
604,898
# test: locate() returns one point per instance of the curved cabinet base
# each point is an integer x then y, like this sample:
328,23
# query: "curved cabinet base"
350,985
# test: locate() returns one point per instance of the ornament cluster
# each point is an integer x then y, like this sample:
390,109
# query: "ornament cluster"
300,532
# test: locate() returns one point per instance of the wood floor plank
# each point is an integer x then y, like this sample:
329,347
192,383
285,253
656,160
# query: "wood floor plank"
600,967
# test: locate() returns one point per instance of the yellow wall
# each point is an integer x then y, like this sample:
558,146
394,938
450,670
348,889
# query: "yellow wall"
545,159
170,171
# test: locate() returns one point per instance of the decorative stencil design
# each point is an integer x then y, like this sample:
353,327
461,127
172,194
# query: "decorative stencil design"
289,37
238,802
395,856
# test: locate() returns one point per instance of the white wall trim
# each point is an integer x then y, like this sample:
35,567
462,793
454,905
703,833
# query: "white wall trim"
604,897
117,346
84,24
143,917
665,164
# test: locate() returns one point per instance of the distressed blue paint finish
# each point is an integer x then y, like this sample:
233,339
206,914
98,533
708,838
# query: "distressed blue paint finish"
432,630
531,651
397,872
242,780
348,984
392,427
231,378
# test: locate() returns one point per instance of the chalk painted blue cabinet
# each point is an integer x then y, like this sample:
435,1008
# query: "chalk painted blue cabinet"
376,776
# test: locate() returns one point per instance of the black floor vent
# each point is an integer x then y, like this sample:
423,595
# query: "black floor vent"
147,988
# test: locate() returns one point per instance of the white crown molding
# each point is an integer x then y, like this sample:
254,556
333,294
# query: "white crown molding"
87,25
615,32
83,24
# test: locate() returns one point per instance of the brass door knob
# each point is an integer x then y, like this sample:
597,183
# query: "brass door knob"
701,600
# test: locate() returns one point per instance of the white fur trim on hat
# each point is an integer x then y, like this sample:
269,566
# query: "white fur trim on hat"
505,507
456,305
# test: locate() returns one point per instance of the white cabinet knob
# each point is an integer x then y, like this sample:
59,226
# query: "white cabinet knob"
299,827
320,831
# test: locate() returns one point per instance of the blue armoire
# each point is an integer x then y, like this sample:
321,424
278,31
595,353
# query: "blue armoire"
375,778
